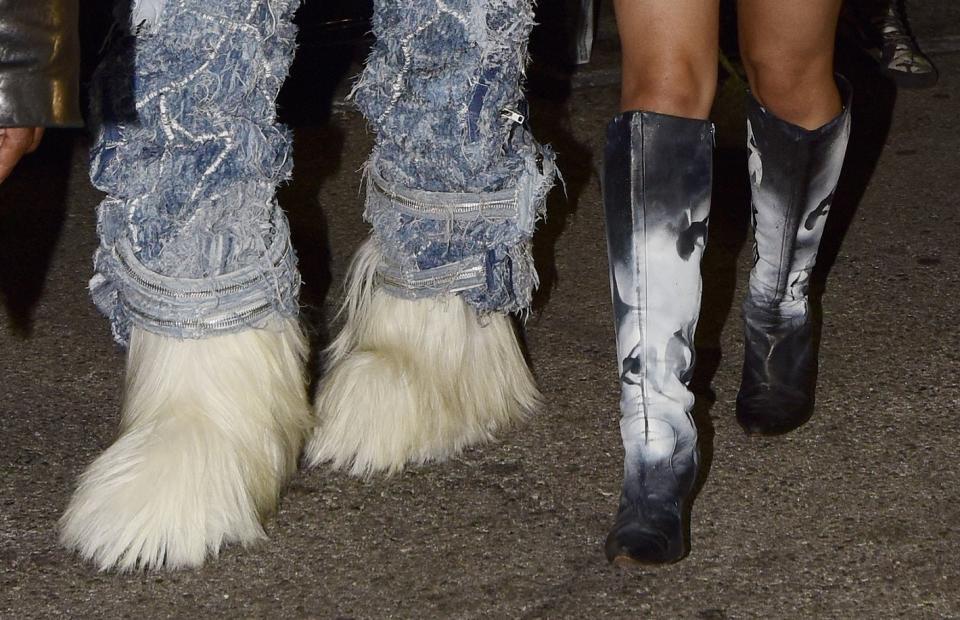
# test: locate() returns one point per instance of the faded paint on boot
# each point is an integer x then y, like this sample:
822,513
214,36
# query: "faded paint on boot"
794,174
657,184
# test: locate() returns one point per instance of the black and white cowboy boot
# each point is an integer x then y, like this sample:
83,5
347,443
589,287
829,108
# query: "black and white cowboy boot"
657,182
794,173
882,29
902,60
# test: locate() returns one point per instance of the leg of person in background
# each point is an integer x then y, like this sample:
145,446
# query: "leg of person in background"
884,30
798,126
657,181
196,273
427,361
902,59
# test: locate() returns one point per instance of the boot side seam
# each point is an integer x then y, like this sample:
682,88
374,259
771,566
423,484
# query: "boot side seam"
642,301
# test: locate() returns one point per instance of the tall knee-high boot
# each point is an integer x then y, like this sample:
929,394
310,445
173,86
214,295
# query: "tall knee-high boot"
657,183
794,173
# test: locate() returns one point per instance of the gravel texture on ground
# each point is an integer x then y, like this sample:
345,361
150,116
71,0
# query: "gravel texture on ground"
854,515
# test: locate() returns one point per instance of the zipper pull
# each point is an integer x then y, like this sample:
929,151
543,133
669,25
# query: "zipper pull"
513,115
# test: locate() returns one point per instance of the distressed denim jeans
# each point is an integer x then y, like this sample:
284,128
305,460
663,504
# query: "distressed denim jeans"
455,182
189,151
192,241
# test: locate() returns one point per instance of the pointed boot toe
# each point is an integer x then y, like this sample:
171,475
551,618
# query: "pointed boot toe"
633,541
773,410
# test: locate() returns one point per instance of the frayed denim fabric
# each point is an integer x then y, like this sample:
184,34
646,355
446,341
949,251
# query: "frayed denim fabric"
455,182
192,241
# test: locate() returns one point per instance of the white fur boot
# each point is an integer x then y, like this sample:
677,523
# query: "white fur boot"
414,381
211,429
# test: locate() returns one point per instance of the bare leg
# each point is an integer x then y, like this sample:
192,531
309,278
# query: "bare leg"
669,55
787,50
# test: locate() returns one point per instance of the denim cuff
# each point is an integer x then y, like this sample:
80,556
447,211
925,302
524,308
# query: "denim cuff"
189,151
475,244
129,293
456,181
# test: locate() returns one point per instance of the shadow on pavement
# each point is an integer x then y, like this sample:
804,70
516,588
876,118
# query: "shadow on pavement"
33,207
874,97
548,91
330,50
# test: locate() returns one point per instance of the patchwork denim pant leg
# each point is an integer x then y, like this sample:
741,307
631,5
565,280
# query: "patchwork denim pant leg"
455,181
192,241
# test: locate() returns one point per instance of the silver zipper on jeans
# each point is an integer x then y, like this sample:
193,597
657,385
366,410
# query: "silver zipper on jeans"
230,322
162,290
433,282
507,206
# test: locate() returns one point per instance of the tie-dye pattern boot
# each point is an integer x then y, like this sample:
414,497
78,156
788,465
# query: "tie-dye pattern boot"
794,173
657,182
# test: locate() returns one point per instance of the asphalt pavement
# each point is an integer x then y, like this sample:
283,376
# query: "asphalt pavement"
855,515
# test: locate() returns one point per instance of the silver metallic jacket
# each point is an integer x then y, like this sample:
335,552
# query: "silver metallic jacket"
39,63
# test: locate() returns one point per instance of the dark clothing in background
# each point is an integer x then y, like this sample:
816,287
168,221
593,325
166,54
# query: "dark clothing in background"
39,63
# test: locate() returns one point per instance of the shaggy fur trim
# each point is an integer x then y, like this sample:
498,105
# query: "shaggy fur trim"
210,431
412,381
